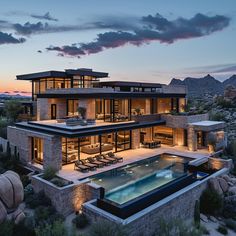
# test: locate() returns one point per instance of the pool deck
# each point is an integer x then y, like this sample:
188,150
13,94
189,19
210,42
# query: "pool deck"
130,156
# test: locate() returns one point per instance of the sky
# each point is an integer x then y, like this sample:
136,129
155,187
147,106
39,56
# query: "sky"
135,40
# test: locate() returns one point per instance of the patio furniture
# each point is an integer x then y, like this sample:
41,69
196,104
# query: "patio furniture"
102,159
95,162
87,163
112,159
75,121
81,167
151,144
112,155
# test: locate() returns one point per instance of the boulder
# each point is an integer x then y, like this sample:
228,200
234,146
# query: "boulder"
233,180
223,184
214,184
19,217
226,177
11,194
232,190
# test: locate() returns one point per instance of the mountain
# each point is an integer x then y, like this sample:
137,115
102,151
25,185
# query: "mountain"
206,85
230,81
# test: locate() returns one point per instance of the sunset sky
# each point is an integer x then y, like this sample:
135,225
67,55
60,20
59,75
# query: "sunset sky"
136,40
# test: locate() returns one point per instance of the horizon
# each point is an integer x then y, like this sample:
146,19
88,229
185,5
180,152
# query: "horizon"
134,41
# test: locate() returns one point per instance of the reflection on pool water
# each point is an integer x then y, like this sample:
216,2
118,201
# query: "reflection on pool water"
129,182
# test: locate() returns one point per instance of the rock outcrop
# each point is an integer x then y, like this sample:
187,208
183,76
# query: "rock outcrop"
11,195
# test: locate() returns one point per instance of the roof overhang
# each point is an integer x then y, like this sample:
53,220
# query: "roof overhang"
86,131
208,125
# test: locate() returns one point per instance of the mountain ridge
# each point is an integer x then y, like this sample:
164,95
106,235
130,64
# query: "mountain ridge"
204,85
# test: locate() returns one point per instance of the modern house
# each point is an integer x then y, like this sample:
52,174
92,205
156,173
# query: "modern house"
165,162
119,116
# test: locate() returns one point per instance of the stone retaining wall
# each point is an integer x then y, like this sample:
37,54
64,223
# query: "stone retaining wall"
66,199
179,205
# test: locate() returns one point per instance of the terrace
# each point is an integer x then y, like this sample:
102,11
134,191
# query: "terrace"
131,156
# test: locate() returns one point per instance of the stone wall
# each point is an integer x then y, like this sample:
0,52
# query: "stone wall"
181,121
44,108
89,104
135,139
52,154
67,199
217,163
179,205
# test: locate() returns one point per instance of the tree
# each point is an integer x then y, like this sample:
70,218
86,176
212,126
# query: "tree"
12,109
82,112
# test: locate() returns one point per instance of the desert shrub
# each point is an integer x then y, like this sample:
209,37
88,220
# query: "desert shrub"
231,224
43,213
49,173
81,221
210,202
58,182
25,180
6,228
197,214
176,227
105,228
37,199
57,228
218,116
221,229
22,229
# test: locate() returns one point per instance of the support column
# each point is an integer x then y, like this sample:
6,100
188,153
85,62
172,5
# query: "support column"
192,138
89,104
52,153
135,138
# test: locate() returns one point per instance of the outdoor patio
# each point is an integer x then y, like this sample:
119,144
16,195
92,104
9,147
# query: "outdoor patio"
131,156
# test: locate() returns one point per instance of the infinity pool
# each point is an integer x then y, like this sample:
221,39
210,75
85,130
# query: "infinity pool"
131,181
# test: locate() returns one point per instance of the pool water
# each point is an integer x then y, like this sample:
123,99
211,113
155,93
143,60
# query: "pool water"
129,182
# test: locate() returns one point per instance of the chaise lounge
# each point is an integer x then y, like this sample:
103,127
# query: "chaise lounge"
112,155
81,167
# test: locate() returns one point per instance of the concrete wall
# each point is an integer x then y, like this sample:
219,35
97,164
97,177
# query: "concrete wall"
66,199
89,104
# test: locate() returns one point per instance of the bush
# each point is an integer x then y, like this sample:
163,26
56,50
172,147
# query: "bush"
221,229
80,221
177,227
6,228
25,180
58,182
37,199
231,224
211,202
105,228
197,214
49,173
57,228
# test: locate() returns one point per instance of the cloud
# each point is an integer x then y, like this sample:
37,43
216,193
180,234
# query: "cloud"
9,39
39,51
47,16
152,28
28,28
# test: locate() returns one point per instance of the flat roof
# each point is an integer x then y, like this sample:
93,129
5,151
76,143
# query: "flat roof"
208,125
62,74
83,131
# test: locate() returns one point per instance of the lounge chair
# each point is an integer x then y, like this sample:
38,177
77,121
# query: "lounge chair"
112,159
90,165
112,155
94,161
81,167
103,160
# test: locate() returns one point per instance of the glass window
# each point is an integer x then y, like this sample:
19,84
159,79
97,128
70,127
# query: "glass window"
72,107
123,140
37,154
70,150
164,105
182,104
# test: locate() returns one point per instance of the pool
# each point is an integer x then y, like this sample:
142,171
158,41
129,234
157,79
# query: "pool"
127,183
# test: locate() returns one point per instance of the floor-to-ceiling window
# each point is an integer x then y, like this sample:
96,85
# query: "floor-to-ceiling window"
164,105
163,134
123,139
113,110
37,150
72,107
